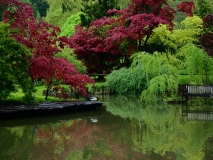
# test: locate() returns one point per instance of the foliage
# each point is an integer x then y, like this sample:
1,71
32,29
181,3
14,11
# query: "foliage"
69,55
186,7
203,7
96,9
142,17
123,3
60,10
126,81
68,28
58,70
41,38
57,11
120,35
41,6
14,66
207,36
188,31
196,62
91,50
161,74
160,87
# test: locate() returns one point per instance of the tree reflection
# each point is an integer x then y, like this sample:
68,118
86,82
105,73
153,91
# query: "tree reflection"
160,129
16,143
127,130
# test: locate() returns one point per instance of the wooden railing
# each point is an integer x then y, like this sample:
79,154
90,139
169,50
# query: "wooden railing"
197,90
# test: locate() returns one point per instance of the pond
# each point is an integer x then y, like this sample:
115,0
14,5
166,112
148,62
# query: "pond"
126,130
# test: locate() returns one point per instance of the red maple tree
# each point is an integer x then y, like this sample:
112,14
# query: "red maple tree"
110,39
90,47
43,41
206,39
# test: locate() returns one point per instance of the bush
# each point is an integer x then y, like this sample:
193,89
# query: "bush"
126,81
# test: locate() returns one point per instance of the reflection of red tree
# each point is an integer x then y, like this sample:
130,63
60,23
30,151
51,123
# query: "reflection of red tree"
58,142
44,134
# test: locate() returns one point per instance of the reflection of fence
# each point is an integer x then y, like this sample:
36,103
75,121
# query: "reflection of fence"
200,116
196,91
194,113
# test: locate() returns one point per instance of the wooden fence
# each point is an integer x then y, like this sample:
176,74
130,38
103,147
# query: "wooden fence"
196,91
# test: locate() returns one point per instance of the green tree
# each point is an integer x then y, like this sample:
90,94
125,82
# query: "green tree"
126,80
96,9
41,6
187,31
203,7
68,54
68,28
60,10
14,66
197,63
161,74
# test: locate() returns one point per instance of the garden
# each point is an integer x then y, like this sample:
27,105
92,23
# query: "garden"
145,48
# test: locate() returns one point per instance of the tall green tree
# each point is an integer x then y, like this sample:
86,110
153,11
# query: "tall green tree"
187,31
197,63
68,28
161,74
96,9
60,10
14,66
41,6
69,55
203,7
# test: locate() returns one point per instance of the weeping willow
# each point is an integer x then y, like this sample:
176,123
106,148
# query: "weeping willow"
157,76
126,81
161,75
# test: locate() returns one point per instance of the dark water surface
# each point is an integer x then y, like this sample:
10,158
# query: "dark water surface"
126,130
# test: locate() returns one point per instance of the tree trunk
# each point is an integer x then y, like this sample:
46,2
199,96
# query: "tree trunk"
48,89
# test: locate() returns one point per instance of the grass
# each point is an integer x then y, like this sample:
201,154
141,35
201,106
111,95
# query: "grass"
16,97
197,79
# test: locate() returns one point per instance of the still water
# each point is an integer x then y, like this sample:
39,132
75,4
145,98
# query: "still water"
126,130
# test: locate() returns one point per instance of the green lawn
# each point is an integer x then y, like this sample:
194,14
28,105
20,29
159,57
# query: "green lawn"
17,96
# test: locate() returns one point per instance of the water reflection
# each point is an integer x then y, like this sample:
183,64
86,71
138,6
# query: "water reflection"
126,130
